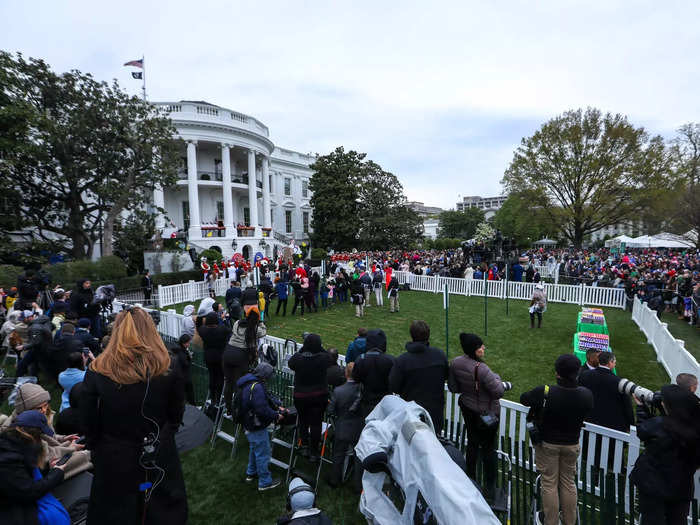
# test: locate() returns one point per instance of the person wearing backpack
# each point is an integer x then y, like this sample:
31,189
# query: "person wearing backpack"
257,410
377,279
559,412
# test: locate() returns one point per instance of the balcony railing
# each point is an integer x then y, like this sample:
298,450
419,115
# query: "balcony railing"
266,232
212,230
246,231
217,176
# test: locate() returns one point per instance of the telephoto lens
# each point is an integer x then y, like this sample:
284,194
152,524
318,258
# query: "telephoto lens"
507,385
625,386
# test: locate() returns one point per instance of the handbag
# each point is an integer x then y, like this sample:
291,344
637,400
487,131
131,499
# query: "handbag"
487,421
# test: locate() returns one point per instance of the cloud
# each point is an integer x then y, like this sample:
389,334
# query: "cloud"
438,93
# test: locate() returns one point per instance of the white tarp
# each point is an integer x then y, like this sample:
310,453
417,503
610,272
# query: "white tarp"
616,241
660,241
419,464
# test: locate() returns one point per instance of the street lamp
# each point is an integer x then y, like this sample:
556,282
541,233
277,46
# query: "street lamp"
234,245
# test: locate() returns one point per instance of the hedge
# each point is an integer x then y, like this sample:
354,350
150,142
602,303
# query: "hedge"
107,270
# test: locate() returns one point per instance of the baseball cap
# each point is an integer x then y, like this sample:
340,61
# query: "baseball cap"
33,419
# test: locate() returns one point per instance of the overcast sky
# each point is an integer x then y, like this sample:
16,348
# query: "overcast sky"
439,93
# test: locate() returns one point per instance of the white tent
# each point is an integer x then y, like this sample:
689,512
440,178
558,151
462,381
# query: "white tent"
616,241
658,241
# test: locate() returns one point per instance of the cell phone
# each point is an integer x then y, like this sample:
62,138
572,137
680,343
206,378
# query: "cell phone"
63,460
81,441
86,351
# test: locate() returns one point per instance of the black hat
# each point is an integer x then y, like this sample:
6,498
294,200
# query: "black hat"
470,343
211,319
376,339
567,365
312,343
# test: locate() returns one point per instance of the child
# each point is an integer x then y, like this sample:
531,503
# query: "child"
281,290
261,305
358,297
323,288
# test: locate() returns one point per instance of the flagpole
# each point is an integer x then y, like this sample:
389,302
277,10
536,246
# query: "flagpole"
143,63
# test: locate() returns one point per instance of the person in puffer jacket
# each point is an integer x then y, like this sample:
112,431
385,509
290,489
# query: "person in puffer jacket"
258,410
479,389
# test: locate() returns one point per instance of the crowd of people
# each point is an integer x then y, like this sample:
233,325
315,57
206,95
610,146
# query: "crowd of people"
124,394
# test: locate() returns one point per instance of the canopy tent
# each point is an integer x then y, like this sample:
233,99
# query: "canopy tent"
545,242
617,241
659,241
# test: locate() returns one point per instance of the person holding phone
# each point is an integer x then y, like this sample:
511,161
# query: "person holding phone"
25,495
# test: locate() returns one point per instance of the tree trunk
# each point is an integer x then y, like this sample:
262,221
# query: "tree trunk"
108,230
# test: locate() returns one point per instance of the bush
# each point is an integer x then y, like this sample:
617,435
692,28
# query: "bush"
9,274
318,254
212,256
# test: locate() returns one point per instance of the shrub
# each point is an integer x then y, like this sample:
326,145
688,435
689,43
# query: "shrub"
9,274
212,256
318,254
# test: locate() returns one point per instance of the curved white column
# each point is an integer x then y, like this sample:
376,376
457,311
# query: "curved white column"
267,219
228,199
159,202
252,191
195,231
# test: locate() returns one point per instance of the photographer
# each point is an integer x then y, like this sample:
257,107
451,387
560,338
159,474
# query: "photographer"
664,471
479,389
258,410
558,412
28,286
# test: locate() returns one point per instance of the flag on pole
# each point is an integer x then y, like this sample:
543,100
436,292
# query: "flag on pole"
135,63
137,74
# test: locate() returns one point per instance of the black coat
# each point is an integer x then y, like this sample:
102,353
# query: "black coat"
310,371
81,301
115,429
664,470
419,375
610,408
214,340
335,375
372,370
348,425
18,490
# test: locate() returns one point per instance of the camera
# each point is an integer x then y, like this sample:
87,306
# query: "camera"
625,386
507,385
535,433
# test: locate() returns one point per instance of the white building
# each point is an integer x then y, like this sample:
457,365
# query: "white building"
217,201
489,205
430,228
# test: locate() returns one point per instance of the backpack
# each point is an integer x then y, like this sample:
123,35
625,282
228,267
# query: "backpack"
237,414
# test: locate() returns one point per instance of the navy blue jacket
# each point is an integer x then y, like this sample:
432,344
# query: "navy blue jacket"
355,349
256,400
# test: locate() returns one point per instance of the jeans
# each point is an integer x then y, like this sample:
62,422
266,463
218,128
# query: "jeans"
324,300
24,363
557,465
281,303
259,456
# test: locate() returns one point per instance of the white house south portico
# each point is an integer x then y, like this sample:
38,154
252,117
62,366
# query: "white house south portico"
236,192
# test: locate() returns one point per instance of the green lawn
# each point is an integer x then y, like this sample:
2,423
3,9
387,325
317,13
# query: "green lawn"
520,355
682,330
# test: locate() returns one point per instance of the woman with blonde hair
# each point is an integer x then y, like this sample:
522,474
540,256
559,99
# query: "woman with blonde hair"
132,407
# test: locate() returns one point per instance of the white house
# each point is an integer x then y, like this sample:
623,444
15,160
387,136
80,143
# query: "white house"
217,201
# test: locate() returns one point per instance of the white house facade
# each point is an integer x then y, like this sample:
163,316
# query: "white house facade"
236,191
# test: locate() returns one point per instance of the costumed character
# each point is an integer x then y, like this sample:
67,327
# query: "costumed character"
224,268
389,270
205,268
216,271
300,272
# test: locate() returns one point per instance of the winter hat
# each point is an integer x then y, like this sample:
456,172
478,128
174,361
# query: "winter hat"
376,339
30,396
188,310
83,322
567,366
33,419
59,307
211,319
312,343
26,314
263,371
301,499
470,343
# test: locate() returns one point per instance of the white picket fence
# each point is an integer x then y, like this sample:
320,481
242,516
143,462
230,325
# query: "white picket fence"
557,293
670,352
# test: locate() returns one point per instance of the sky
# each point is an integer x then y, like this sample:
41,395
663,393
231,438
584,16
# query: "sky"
438,93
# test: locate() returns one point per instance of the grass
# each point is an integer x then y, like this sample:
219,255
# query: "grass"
682,330
518,354
216,490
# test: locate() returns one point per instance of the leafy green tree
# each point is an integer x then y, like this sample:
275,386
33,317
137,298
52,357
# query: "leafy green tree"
132,237
587,170
686,191
459,224
522,222
335,199
358,204
76,153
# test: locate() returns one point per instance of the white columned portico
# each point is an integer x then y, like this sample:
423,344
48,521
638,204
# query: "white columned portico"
228,199
267,219
252,192
192,190
159,202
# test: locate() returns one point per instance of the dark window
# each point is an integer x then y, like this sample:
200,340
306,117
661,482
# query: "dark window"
219,210
287,186
305,217
288,221
186,214
305,188
246,216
